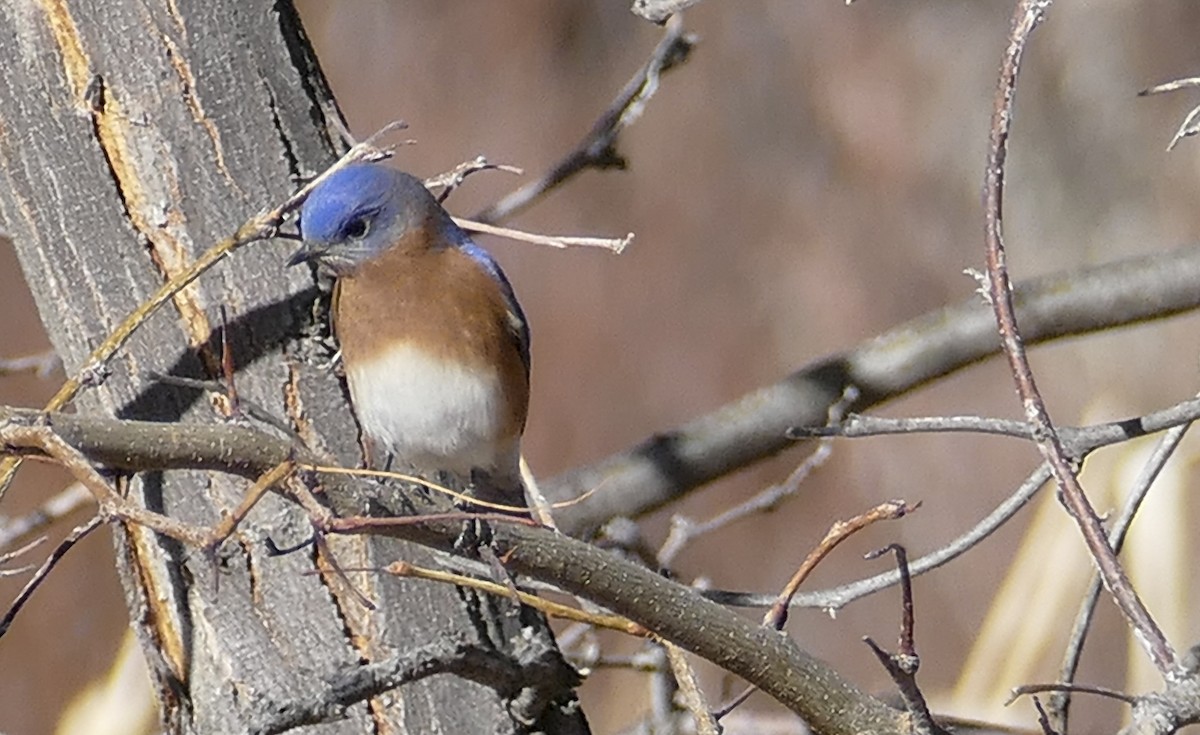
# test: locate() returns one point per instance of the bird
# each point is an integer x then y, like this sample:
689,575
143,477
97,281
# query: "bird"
434,344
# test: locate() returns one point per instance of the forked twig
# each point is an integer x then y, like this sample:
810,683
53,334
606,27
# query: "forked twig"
1191,122
1027,15
776,617
449,181
903,665
1060,701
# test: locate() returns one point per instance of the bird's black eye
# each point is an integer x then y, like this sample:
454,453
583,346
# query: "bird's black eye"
356,229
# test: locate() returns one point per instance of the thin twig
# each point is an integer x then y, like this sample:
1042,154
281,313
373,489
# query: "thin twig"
903,666
1167,444
1025,689
553,609
246,407
684,530
777,615
907,619
1078,441
693,698
539,505
42,364
229,522
403,477
659,11
615,244
64,503
36,580
856,426
1191,122
839,597
599,149
112,504
1090,438
449,181
1043,718
1189,127
8,556
1027,15
233,405
644,661
1177,84
327,561
734,702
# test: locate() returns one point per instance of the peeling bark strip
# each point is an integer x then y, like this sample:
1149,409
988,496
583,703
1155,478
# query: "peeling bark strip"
132,137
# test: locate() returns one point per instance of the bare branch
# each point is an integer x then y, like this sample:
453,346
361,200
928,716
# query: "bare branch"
668,609
71,499
903,666
1026,16
671,463
42,364
42,439
599,149
1025,689
8,556
1043,718
1078,441
839,597
684,530
1191,122
454,178
1060,702
1177,84
616,245
892,510
334,693
40,576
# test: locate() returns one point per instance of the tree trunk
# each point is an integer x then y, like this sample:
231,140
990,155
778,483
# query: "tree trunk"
133,136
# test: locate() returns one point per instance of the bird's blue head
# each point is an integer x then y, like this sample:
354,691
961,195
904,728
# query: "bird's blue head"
360,211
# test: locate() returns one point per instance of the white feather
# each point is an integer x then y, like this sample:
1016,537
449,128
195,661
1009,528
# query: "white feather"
430,413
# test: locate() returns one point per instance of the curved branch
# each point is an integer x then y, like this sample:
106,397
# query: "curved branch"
804,684
1026,16
672,463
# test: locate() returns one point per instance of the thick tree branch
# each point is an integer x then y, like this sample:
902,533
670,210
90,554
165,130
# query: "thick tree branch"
671,463
676,613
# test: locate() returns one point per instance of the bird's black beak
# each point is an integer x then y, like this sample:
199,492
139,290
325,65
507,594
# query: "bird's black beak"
307,253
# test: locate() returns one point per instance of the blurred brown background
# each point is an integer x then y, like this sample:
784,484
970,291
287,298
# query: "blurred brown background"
809,179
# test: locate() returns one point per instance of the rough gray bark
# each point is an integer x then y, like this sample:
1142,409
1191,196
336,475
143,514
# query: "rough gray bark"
134,135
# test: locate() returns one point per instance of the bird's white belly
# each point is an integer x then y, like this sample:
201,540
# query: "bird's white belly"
428,412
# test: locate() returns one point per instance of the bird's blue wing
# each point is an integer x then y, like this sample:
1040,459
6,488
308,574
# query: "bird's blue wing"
516,317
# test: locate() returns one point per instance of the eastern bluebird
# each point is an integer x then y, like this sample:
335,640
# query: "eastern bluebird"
434,343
